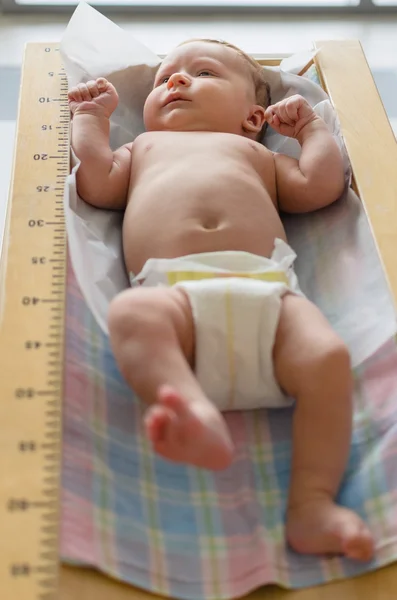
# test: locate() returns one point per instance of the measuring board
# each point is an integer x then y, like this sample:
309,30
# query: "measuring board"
32,307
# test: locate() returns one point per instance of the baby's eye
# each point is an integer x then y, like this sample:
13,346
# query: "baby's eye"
205,73
164,80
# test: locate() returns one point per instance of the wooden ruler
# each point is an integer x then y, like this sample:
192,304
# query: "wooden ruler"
32,306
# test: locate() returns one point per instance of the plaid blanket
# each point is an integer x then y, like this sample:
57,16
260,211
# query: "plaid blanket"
191,534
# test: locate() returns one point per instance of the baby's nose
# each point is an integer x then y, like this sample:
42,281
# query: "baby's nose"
177,79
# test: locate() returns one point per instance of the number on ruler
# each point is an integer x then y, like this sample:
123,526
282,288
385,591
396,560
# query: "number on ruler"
20,570
29,446
24,393
17,504
32,345
30,300
42,188
36,223
40,156
39,260
43,99
46,127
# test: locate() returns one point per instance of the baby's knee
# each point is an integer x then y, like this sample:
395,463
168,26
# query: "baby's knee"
329,371
151,312
333,354
134,310
307,350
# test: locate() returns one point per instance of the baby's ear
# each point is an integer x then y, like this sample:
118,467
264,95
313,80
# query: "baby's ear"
255,120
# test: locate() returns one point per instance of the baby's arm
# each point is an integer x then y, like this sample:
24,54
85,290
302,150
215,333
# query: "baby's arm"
103,176
317,179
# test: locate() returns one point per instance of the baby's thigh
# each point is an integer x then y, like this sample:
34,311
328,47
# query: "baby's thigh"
305,344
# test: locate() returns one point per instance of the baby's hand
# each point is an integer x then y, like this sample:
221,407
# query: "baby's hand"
290,116
93,97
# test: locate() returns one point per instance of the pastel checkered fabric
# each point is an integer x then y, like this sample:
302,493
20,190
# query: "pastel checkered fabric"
192,534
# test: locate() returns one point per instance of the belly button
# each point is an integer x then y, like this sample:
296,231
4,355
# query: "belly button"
210,224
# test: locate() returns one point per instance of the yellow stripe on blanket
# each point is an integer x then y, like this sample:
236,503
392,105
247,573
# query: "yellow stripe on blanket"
174,277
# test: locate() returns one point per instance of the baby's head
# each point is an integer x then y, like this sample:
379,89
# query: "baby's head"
208,85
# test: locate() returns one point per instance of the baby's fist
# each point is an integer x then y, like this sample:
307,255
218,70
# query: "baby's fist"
290,116
97,97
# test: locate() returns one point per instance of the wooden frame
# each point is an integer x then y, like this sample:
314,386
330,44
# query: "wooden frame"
348,80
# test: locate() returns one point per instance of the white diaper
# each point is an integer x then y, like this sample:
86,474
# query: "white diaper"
236,300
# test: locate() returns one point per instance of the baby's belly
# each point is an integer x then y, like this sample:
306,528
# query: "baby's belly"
179,230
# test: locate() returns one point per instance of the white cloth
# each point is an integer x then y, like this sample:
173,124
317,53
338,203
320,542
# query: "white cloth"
236,300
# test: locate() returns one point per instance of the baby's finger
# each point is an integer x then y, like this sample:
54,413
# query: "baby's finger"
291,108
283,115
85,93
74,95
102,84
275,123
269,114
93,89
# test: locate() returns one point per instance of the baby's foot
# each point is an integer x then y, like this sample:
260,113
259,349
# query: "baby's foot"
188,432
322,527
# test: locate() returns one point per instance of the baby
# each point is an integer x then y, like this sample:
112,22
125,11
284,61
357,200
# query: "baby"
199,189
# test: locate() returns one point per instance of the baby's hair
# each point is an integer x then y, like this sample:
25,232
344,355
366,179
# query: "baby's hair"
262,88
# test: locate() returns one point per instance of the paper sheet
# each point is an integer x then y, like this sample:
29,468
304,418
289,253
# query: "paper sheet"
362,314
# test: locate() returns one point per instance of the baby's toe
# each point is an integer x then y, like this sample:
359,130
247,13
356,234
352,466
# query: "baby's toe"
158,422
360,545
169,397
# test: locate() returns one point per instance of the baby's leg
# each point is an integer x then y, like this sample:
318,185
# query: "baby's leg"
312,365
152,335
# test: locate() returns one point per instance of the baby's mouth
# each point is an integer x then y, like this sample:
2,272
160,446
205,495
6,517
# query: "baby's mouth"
175,98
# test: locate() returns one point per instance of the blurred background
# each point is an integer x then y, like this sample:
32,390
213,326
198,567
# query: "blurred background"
266,27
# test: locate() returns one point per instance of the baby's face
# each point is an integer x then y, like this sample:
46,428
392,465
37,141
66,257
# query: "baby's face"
200,86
